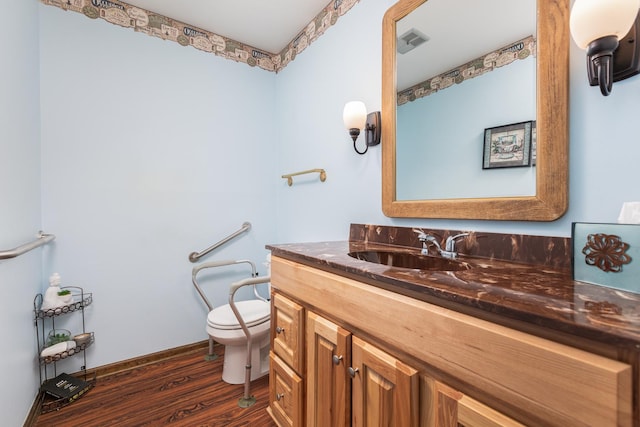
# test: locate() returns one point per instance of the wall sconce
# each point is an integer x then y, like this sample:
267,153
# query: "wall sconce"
355,118
608,30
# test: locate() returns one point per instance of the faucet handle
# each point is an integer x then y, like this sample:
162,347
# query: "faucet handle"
450,244
422,236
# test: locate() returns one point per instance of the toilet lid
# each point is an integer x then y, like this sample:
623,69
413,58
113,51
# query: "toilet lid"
253,312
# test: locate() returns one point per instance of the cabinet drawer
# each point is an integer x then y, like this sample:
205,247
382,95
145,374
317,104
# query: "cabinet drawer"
285,393
287,331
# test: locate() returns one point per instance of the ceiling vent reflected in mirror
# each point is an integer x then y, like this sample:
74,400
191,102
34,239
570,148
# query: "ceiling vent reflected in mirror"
410,40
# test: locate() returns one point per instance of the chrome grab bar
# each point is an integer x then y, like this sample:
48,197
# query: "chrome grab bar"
195,256
247,399
197,268
42,239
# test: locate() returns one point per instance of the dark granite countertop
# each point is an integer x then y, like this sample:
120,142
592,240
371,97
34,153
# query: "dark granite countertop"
542,295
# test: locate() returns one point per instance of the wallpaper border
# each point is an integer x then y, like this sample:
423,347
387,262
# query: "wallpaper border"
152,24
506,55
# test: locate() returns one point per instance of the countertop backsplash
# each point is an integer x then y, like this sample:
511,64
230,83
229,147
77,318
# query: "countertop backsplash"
554,252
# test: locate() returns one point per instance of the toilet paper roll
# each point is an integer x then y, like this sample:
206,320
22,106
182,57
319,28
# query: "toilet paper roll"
630,213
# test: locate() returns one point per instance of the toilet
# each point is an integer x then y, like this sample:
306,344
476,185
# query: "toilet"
224,328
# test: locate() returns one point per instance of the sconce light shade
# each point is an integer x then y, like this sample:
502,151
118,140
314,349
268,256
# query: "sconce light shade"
593,19
597,26
355,117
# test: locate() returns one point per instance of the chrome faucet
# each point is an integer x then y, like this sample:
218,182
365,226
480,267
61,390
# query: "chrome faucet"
450,246
449,250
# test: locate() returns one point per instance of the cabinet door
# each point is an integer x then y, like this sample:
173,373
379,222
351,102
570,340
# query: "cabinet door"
443,406
287,331
285,394
384,390
328,383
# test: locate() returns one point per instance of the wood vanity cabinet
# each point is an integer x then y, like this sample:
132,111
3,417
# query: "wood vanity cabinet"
420,364
286,392
328,382
352,382
444,406
286,367
386,380
384,390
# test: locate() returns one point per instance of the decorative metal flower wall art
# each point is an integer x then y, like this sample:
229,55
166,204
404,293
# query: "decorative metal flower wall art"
600,249
606,252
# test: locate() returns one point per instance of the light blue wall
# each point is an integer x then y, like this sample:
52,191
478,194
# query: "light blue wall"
20,215
151,151
345,64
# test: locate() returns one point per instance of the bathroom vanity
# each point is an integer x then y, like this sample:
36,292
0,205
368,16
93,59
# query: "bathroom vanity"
510,341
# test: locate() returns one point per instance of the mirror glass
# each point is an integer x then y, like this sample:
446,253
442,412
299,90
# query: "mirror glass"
467,90
453,86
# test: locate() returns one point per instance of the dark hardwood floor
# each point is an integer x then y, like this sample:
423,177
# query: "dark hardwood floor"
184,390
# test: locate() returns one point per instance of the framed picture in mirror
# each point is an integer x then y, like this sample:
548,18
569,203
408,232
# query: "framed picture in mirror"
534,144
507,146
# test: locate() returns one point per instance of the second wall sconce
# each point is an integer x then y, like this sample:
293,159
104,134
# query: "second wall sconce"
608,30
355,118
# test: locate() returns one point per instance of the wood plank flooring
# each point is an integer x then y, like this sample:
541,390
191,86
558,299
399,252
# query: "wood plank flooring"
185,390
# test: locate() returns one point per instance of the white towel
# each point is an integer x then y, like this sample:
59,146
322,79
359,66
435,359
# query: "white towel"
58,348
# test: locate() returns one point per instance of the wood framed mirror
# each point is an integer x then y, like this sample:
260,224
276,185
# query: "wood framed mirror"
549,201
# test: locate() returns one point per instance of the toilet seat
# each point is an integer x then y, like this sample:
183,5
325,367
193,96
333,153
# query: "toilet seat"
253,312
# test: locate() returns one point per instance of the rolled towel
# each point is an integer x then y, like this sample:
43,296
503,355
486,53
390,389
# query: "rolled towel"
58,348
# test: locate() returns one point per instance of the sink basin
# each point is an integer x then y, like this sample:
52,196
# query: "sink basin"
410,260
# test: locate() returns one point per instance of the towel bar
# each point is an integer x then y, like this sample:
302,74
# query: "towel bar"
289,177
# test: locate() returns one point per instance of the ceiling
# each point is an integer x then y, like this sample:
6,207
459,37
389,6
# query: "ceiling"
271,25
265,25
456,38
